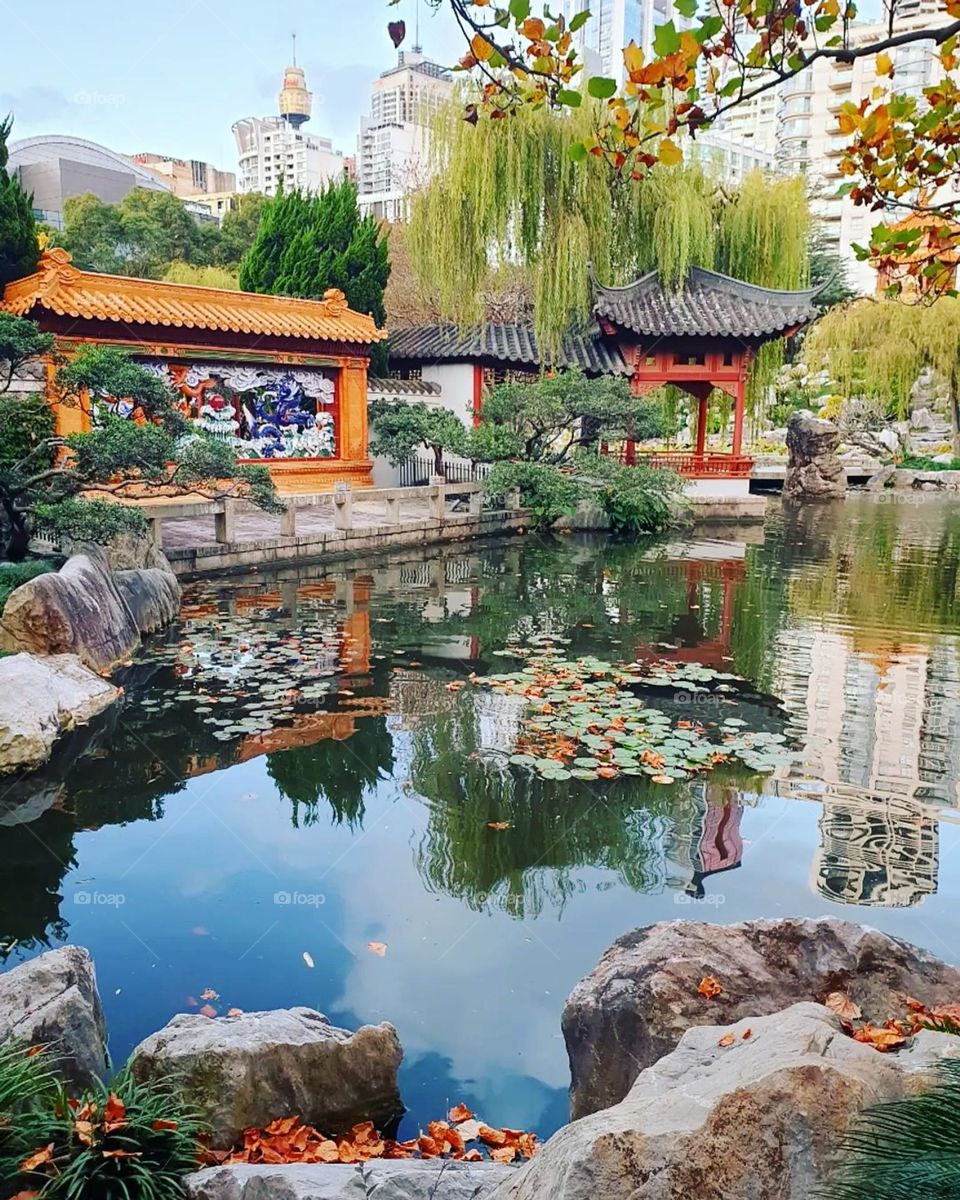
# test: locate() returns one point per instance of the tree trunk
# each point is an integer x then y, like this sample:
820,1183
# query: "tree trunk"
16,532
438,460
955,424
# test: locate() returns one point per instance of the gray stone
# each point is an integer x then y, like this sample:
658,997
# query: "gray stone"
124,552
151,594
78,610
637,1003
386,1179
922,418
53,1001
251,1069
814,471
877,482
40,698
760,1119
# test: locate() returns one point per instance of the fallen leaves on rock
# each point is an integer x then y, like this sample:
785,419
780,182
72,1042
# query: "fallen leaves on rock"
709,987
727,1040
288,1140
843,1006
883,1038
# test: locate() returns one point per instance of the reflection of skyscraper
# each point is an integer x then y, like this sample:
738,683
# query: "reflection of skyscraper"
704,840
876,854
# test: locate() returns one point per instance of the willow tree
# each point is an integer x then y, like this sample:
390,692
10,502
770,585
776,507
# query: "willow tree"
880,347
516,190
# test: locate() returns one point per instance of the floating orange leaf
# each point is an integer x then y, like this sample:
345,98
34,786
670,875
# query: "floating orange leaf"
498,825
378,948
460,1113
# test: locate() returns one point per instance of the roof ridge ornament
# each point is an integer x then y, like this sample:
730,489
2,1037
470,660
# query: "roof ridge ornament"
55,267
335,301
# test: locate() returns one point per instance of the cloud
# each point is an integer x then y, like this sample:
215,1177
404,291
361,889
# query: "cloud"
34,104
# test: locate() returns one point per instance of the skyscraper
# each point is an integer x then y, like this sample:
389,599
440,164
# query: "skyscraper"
613,24
393,146
275,148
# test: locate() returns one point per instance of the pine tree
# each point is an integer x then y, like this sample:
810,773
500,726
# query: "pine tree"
308,243
19,248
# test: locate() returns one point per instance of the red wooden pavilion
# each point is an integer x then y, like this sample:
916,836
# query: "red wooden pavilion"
700,338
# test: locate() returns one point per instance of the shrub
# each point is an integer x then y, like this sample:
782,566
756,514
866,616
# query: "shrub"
91,520
928,464
12,575
125,1141
636,499
546,490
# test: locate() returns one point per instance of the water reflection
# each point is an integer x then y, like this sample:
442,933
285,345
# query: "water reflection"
299,727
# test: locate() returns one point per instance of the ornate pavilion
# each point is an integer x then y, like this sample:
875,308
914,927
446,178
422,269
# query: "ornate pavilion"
284,380
700,338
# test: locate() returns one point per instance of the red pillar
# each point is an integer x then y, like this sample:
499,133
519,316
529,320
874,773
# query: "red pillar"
739,400
630,453
701,425
477,393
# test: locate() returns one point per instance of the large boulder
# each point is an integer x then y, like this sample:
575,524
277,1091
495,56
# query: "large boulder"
53,1001
78,610
814,471
151,594
250,1069
387,1179
641,998
40,698
754,1117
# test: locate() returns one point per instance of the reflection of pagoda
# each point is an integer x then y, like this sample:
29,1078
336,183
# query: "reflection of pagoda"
705,840
876,854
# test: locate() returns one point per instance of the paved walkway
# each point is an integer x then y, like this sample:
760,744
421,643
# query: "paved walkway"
184,533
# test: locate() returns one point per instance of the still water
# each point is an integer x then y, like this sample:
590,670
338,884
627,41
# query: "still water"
293,808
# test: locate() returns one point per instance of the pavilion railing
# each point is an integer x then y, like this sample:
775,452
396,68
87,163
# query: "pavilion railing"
691,465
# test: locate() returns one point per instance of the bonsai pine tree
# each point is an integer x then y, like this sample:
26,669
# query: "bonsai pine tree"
308,243
19,248
140,445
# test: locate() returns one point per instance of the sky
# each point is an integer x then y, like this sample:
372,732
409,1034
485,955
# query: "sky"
171,77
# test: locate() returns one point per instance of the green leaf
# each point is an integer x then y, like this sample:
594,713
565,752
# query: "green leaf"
686,8
602,88
709,27
579,20
666,40
570,98
519,10
578,152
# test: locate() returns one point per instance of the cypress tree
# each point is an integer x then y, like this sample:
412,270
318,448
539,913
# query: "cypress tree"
19,248
308,243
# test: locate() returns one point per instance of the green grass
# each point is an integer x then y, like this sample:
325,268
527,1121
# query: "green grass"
12,575
927,464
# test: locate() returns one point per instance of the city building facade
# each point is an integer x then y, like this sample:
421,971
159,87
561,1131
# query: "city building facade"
186,178
55,167
394,142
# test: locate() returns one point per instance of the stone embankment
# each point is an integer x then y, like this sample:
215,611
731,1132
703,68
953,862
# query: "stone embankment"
64,630
743,1093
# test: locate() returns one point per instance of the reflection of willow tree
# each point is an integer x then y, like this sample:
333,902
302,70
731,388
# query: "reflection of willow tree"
886,569
339,772
554,832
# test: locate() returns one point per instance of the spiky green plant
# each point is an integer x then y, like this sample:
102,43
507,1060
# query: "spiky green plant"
28,1092
908,1149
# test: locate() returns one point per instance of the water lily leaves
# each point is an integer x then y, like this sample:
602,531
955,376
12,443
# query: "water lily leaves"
587,722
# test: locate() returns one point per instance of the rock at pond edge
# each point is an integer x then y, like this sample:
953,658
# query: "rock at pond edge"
642,996
249,1070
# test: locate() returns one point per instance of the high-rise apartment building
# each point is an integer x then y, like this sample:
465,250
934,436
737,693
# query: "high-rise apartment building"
393,146
809,139
613,24
272,149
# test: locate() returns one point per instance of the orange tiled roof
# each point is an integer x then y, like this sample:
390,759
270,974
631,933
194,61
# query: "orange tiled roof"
60,287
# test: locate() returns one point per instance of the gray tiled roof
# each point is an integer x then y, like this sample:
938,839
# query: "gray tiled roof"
402,387
710,304
506,343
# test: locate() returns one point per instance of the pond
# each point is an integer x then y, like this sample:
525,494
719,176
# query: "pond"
294,807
